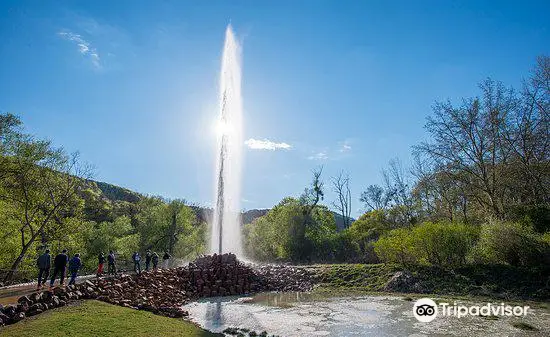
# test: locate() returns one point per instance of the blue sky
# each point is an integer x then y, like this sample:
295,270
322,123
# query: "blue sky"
132,85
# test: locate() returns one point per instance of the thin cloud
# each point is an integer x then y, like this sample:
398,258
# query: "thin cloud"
345,146
84,47
265,144
319,156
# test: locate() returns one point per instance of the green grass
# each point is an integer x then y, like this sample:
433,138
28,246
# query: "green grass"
94,318
490,281
364,277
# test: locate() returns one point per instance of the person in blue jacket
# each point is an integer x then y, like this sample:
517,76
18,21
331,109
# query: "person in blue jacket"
137,264
74,266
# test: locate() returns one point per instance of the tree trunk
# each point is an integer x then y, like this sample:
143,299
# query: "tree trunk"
171,237
17,261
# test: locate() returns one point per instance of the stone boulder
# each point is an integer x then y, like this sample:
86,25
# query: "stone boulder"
403,282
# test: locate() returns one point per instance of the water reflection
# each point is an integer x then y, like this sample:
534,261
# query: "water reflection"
214,313
303,314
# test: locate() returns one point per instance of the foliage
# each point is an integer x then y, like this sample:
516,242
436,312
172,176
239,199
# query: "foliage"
397,246
271,237
510,243
440,244
490,153
48,201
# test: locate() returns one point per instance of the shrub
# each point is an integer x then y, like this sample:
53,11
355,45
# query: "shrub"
537,216
441,244
510,243
396,246
444,244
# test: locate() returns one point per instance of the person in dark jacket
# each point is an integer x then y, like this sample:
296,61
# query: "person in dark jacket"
166,258
100,263
155,259
147,259
43,264
137,259
74,266
59,267
111,263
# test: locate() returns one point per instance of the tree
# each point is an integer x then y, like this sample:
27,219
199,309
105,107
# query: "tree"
492,150
466,139
164,224
340,185
40,182
375,197
308,201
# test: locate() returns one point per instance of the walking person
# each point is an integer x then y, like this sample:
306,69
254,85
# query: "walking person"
155,259
43,264
137,259
59,267
100,263
147,259
74,266
165,259
111,263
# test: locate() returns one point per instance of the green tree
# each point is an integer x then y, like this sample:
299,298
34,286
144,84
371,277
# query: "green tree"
40,182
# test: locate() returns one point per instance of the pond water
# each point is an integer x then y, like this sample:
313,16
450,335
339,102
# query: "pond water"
304,314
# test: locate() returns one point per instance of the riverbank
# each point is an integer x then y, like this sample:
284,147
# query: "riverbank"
493,281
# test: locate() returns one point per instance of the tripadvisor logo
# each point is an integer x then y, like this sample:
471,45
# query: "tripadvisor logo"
426,310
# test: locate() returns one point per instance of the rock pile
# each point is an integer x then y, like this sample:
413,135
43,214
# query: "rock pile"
282,278
164,291
220,275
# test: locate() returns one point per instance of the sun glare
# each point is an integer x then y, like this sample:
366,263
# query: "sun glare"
222,128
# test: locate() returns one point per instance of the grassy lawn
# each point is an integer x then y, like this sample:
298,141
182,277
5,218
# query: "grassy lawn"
94,318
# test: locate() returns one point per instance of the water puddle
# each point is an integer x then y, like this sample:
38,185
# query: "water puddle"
305,314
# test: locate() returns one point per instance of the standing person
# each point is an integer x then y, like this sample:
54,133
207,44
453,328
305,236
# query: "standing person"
137,265
100,263
59,266
74,266
43,264
147,259
165,259
111,264
155,259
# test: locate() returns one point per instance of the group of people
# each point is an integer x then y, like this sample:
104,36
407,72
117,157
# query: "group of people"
62,261
149,257
111,264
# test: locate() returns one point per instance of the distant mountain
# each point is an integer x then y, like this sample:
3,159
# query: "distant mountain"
117,193
340,221
253,214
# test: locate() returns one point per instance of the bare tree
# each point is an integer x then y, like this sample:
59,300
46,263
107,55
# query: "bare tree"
340,185
375,197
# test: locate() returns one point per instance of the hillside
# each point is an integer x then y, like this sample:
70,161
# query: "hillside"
116,193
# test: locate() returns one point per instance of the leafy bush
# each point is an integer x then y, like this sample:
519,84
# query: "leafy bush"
537,216
441,244
444,244
510,243
397,246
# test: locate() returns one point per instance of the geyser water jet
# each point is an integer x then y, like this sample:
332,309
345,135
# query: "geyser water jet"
226,229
